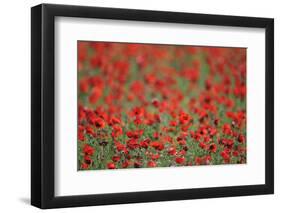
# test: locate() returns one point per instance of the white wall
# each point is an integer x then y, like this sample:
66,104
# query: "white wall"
15,105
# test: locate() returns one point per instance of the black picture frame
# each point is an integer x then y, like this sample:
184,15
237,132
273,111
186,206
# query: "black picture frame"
43,105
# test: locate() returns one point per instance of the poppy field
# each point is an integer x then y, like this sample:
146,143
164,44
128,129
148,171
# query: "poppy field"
151,105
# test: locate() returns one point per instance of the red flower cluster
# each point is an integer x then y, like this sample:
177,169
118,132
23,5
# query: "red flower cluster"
144,105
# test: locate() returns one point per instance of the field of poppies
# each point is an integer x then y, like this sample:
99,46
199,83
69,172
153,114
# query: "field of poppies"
148,105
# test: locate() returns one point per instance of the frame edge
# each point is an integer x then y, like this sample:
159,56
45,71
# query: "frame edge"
36,50
269,116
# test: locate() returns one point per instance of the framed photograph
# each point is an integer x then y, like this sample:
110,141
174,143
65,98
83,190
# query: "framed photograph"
139,106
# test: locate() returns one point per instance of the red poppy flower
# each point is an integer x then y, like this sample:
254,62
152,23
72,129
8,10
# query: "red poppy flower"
134,134
207,139
117,131
155,157
156,135
151,164
225,155
84,166
125,164
95,95
155,103
198,160
132,143
99,123
144,144
138,121
184,118
227,129
213,148
83,85
116,158
88,150
87,159
182,142
81,136
137,164
120,146
157,145
235,153
114,120
241,138
173,123
111,166
212,131
137,111
182,152
180,160
172,151
90,131
207,159
216,122
202,145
